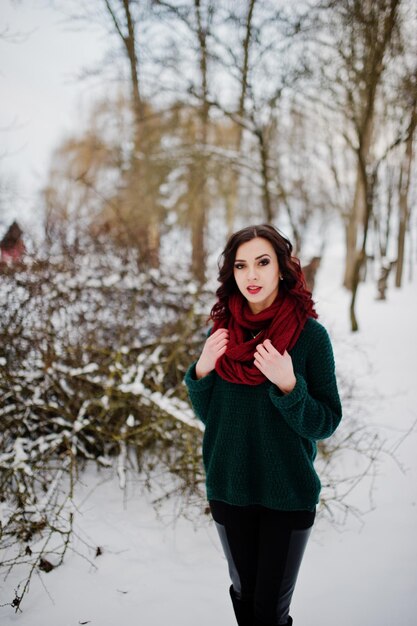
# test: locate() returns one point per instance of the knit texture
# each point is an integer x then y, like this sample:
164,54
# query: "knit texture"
259,445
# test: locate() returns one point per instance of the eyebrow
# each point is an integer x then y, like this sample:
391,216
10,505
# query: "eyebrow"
256,258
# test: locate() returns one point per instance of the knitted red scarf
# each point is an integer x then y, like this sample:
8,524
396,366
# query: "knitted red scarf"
282,323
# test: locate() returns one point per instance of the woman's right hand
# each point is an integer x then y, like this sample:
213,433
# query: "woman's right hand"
214,347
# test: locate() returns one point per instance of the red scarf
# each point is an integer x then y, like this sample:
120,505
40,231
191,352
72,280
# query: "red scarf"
282,323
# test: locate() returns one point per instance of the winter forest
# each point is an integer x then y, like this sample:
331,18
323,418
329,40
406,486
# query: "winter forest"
207,116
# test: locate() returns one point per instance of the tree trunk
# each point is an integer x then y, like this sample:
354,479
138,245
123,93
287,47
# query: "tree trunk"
199,205
355,284
357,215
198,258
266,196
145,230
404,208
378,28
354,220
232,196
368,182
130,46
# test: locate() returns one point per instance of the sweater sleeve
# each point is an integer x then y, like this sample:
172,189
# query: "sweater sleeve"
199,392
313,409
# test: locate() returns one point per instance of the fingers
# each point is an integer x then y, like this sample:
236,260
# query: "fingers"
220,335
266,356
276,367
219,331
266,349
261,350
218,339
214,347
216,344
222,350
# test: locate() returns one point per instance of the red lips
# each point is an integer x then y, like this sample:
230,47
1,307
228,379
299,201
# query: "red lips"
253,290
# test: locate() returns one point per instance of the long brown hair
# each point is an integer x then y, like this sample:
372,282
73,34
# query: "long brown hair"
292,276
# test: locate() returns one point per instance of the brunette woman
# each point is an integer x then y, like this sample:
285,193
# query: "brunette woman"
265,388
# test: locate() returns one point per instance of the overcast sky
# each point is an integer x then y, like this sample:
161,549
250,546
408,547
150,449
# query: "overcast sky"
41,97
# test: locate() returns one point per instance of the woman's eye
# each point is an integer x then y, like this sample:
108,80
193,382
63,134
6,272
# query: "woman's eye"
264,262
239,266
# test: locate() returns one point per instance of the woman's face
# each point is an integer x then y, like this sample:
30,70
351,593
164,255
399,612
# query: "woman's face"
256,273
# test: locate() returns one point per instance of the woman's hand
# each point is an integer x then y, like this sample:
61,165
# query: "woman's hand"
275,366
214,347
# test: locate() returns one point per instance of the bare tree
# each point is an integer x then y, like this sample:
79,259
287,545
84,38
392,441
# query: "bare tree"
243,72
126,18
196,17
359,42
87,192
127,23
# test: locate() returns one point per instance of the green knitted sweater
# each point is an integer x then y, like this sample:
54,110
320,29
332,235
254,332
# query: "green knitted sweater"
259,445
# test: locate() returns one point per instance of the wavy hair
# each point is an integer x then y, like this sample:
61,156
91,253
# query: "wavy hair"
293,280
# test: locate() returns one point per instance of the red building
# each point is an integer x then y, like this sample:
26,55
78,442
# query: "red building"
12,247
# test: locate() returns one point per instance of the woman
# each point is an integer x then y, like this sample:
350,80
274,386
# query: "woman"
265,388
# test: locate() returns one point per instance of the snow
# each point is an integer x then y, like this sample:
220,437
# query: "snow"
158,569
130,421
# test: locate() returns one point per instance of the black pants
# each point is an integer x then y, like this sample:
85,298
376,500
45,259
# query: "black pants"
264,549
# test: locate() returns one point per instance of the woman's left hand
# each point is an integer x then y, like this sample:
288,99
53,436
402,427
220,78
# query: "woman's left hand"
275,366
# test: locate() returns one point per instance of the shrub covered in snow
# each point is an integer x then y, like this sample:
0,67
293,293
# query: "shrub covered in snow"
92,357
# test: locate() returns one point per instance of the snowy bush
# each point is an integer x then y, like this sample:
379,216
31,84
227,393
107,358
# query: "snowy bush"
92,359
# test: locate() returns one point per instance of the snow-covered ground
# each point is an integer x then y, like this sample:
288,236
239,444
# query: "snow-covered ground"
160,571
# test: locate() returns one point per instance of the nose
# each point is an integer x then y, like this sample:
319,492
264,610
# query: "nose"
252,273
